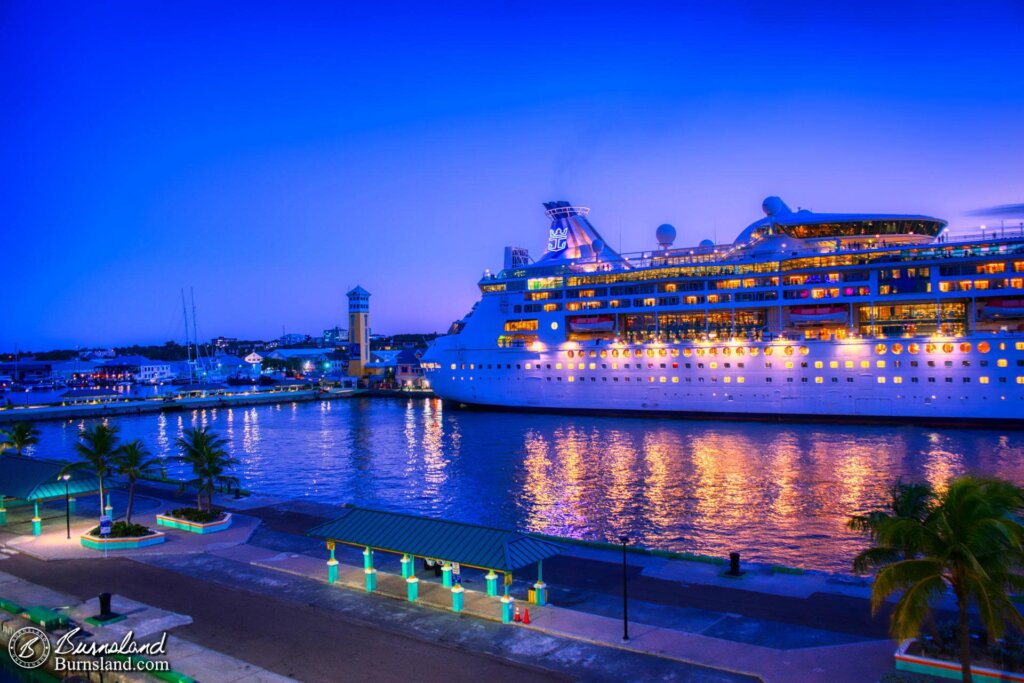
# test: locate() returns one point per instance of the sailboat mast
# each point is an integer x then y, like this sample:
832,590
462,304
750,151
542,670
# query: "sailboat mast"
195,327
188,343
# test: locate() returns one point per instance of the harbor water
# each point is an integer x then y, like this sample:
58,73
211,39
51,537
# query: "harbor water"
778,493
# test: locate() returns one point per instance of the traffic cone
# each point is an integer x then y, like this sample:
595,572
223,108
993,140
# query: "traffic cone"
526,616
517,617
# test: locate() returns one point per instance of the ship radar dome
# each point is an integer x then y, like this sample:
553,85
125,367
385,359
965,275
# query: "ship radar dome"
666,235
597,246
773,206
706,244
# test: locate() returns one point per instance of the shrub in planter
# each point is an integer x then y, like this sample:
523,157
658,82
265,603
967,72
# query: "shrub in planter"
198,516
122,529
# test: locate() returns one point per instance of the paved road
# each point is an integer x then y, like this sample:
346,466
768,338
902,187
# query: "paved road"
302,641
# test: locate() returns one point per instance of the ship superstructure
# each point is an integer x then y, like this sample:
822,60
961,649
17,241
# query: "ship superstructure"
805,315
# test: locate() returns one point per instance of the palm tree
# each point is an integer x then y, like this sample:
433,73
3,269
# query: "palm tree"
906,502
133,460
969,540
96,447
18,437
203,450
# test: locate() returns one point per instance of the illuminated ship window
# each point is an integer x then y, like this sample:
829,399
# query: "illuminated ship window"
739,351
804,350
593,366
818,380
529,366
615,353
897,349
897,380
593,354
453,366
739,380
558,366
789,365
965,347
674,353
662,380
865,364
753,351
913,348
880,364
675,380
1020,380
833,364
947,348
662,352
650,353
818,364
728,380
881,380
650,379
880,349
848,364
1001,362
571,378
983,347
726,351
604,354
930,348
789,351
768,351
472,366
570,354
983,380
714,366
687,353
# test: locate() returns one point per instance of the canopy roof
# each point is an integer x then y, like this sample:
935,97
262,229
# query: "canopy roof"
469,544
36,478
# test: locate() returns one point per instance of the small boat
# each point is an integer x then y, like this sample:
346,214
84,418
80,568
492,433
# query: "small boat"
815,315
1004,308
592,323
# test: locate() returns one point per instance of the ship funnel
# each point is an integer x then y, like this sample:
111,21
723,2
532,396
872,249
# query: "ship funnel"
571,236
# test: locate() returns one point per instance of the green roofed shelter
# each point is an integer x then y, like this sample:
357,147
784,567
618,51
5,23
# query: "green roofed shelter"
35,479
472,545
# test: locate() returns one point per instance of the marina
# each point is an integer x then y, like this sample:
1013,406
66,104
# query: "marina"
777,493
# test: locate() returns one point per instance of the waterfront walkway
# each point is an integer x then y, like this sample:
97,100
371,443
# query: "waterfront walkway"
688,622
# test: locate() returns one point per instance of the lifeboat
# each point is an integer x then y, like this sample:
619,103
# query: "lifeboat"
1004,308
817,315
592,323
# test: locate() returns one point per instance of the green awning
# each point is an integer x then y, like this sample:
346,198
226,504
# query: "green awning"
37,478
469,544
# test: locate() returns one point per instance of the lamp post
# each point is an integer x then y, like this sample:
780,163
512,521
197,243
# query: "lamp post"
625,602
67,502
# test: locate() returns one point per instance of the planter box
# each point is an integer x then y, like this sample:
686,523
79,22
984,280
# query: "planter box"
130,543
194,527
943,668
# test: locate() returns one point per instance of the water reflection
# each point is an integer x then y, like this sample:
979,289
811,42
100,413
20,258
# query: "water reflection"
779,493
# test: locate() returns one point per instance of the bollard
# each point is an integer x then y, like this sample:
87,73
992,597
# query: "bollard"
408,566
367,559
734,565
110,508
413,588
104,605
3,516
457,598
332,565
371,580
37,522
446,574
507,609
492,584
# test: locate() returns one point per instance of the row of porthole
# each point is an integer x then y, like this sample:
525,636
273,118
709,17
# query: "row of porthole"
688,352
930,347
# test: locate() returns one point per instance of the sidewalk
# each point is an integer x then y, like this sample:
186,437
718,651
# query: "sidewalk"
853,662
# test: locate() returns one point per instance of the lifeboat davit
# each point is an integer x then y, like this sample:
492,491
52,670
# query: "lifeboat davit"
592,323
817,315
1004,308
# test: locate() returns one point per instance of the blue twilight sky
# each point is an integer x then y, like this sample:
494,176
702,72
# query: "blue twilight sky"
272,155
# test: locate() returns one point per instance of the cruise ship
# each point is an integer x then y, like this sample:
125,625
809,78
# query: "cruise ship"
805,316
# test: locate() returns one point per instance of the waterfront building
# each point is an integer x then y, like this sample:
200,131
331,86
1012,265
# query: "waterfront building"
334,337
292,339
804,315
358,330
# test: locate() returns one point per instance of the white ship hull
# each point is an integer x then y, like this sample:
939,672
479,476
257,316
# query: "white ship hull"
976,387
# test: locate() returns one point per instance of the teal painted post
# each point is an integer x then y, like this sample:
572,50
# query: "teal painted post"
110,508
368,558
540,589
507,609
446,574
413,588
37,522
3,512
492,584
457,598
332,567
408,566
72,507
371,579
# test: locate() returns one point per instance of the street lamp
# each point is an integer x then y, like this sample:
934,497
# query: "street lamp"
625,602
67,502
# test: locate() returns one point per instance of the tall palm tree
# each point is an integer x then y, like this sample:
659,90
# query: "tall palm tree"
969,541
133,460
96,447
18,437
204,452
